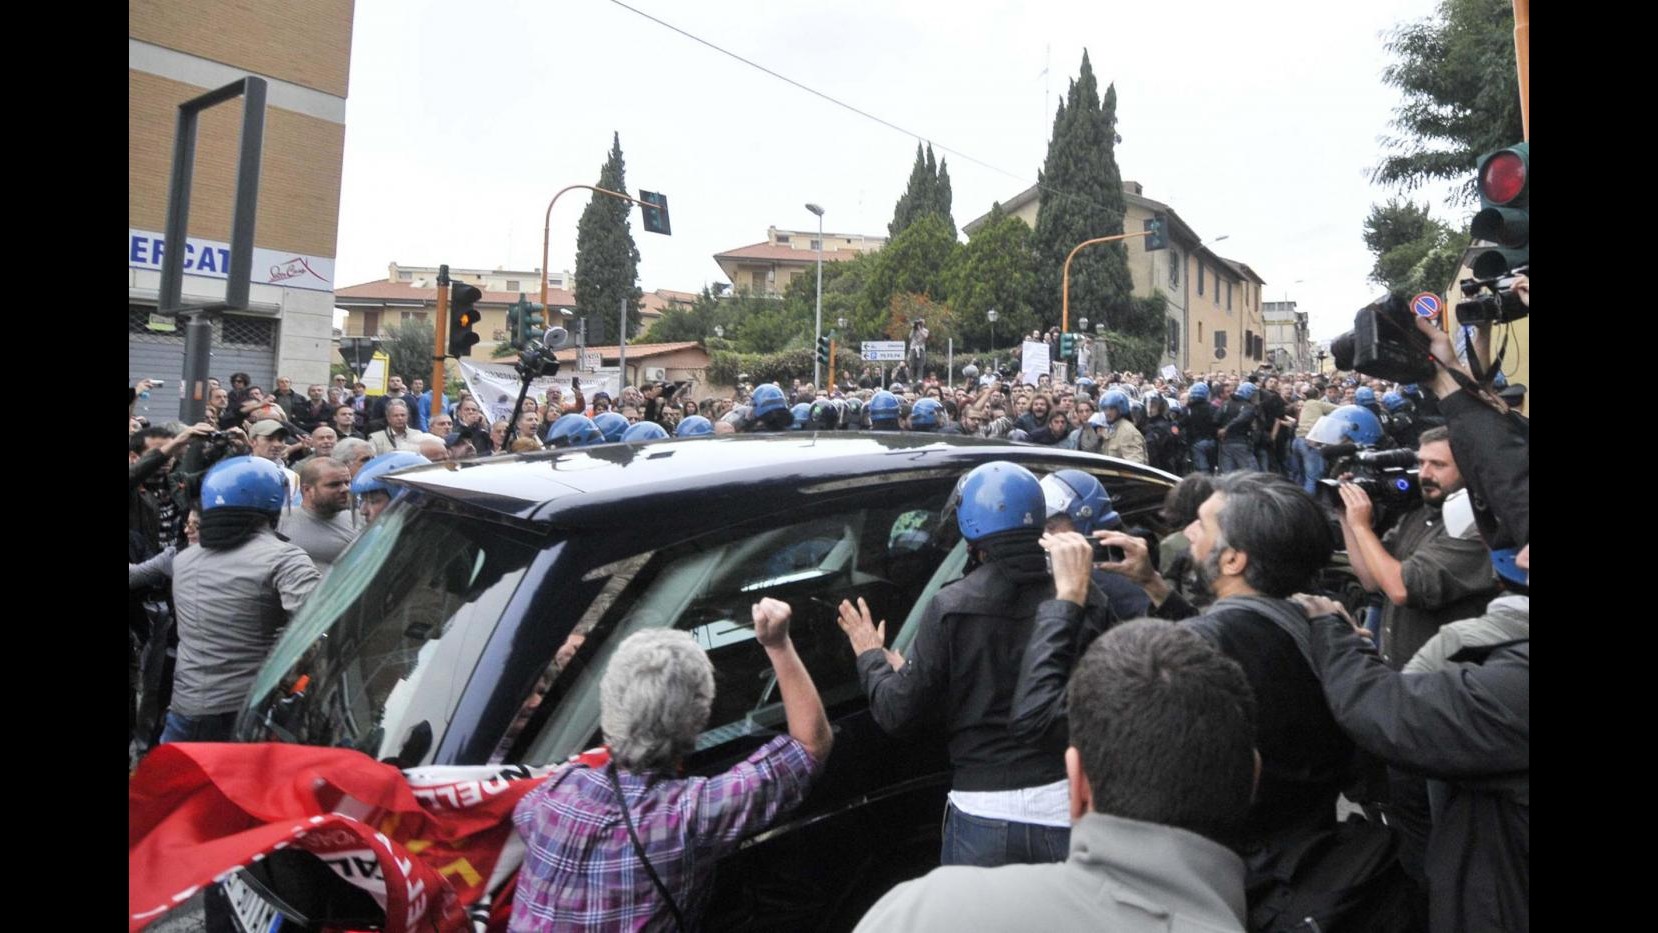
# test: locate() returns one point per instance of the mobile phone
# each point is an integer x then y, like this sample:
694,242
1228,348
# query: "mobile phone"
157,383
1106,552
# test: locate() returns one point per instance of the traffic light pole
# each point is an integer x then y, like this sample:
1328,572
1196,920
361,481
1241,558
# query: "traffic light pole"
547,225
442,342
1065,287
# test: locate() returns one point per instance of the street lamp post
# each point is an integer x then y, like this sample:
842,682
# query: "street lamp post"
817,334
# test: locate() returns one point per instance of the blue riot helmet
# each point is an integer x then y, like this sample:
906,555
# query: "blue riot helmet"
694,426
1247,390
1347,424
999,496
369,479
643,431
883,410
574,431
1412,391
1393,401
767,398
1199,392
826,414
802,416
611,425
925,415
1364,395
246,483
1117,399
1078,495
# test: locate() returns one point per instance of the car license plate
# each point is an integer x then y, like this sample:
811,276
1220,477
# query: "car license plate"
253,913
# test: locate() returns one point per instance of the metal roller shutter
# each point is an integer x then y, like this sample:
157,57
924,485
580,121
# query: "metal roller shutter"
241,344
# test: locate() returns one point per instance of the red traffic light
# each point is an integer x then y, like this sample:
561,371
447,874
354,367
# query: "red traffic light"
1503,177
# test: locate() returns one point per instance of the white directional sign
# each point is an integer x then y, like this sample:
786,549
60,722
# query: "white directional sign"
876,351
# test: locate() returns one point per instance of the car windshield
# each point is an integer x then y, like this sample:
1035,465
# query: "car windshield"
379,655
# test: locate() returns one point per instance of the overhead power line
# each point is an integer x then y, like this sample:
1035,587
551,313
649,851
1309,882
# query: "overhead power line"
846,106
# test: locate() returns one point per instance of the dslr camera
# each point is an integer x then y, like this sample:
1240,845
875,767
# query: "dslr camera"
1388,477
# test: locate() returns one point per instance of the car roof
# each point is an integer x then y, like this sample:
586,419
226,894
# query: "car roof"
748,474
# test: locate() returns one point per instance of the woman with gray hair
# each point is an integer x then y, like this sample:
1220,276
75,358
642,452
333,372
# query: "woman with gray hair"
579,871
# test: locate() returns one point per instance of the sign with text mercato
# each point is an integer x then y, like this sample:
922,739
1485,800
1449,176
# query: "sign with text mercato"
877,351
211,259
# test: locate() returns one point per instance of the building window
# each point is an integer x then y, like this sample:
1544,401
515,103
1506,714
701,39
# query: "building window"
1217,288
1174,268
1174,337
782,238
1199,331
405,276
371,323
1220,339
1200,278
512,285
817,244
1228,296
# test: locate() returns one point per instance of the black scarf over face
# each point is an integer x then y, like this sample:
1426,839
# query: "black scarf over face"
1018,552
225,527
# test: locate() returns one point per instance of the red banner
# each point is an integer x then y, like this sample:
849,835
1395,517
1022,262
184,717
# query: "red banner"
428,844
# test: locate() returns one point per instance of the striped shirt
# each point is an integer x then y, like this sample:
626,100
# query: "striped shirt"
581,872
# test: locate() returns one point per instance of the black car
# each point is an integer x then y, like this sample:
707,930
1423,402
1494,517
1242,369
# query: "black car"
470,624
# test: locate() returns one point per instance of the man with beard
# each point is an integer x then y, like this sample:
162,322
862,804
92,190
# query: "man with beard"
1430,574
1258,539
321,526
1037,416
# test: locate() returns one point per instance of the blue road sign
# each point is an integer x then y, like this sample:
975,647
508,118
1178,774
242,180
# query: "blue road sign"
1426,305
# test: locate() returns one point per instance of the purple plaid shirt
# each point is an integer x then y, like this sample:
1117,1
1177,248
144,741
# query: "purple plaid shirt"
580,871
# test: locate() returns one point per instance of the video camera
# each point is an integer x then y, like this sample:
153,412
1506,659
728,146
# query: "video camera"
1388,477
1385,343
1492,300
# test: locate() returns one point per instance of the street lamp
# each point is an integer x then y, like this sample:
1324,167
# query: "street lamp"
817,333
991,317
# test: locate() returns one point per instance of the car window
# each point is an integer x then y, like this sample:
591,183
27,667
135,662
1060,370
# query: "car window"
879,552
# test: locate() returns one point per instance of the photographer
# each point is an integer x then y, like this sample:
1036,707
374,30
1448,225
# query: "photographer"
1430,574
1466,725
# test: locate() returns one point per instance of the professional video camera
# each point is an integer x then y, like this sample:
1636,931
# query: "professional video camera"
1492,300
1389,477
1384,343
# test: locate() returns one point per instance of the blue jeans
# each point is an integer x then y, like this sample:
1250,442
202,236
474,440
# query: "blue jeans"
1312,464
975,840
1203,456
1234,457
218,727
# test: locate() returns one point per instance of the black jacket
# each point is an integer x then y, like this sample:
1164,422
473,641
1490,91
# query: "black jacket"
1238,418
1200,422
1305,757
963,667
1468,728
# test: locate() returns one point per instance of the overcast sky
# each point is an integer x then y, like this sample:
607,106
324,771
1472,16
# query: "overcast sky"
1256,121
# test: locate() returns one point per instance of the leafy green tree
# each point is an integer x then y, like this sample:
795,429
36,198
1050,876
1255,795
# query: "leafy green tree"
1461,94
1415,252
409,345
607,261
996,269
1082,199
914,261
928,192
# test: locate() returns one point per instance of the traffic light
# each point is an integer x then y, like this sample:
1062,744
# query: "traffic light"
533,322
463,316
655,210
1505,211
1158,226
515,312
1067,345
823,350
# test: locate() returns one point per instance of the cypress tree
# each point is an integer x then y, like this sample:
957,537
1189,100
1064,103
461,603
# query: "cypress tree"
607,261
1082,198
928,192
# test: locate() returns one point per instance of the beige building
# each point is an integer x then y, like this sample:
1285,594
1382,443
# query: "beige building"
490,280
767,268
657,362
1288,345
178,50
1213,303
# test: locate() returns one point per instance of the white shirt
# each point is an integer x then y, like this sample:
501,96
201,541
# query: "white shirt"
1047,805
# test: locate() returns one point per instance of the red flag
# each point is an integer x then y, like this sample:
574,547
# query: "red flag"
442,838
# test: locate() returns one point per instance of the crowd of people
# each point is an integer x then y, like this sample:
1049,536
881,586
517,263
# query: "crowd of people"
1161,736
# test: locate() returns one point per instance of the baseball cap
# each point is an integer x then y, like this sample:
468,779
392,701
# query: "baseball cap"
269,427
